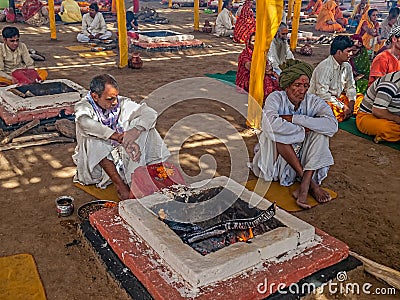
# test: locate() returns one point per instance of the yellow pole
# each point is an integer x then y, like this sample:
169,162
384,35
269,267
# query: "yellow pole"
169,3
196,14
353,2
53,31
122,34
295,25
289,10
219,6
268,18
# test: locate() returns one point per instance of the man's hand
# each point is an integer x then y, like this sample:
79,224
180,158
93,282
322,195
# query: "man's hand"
98,35
131,136
91,36
133,151
287,117
348,110
119,137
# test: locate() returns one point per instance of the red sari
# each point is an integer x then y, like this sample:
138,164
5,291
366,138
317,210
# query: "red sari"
245,24
30,8
243,74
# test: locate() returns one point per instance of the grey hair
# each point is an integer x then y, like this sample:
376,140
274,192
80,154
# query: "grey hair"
98,83
281,26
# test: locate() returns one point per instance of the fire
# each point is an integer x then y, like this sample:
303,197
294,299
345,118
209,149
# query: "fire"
245,237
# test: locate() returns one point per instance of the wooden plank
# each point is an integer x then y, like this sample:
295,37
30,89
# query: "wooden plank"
20,131
35,137
58,139
390,276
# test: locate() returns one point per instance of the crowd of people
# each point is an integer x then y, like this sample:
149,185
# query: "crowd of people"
301,110
302,106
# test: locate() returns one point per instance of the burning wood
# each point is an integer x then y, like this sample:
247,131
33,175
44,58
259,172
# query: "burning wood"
236,224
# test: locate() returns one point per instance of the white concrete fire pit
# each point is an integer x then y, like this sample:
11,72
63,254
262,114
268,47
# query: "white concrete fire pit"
200,270
39,100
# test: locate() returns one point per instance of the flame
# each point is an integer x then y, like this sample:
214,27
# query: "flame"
245,237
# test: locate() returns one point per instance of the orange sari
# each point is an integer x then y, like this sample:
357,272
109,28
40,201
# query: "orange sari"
369,41
328,14
316,9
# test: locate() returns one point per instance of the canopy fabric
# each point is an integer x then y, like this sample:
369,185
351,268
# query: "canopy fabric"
268,18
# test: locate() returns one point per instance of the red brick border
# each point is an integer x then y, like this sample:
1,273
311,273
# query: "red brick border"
161,283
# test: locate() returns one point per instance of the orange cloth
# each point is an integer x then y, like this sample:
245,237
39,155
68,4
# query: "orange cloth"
339,17
311,4
5,81
360,11
382,129
338,112
359,99
316,8
328,14
384,63
42,73
369,41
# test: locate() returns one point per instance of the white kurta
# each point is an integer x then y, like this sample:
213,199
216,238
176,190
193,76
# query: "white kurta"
224,24
329,80
94,144
93,26
312,148
278,53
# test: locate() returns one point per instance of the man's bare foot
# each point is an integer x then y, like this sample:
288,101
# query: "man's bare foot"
301,198
123,192
319,194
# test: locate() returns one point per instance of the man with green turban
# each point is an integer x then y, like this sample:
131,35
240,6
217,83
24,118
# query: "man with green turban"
294,142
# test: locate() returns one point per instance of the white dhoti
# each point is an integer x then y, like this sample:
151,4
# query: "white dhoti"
83,38
314,155
93,143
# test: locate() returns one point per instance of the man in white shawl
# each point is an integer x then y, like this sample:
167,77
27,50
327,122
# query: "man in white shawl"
294,142
93,26
279,51
115,135
225,23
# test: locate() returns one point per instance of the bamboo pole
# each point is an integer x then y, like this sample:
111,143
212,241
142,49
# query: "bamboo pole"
289,10
169,3
219,6
268,18
295,25
122,34
196,15
53,31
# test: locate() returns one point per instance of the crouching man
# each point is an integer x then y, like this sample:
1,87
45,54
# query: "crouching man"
115,135
294,143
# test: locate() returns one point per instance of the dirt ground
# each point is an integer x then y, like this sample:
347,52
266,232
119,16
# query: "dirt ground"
365,175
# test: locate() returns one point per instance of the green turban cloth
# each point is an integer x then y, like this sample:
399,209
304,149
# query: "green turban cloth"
292,70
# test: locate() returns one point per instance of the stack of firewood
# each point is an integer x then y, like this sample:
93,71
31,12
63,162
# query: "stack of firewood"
62,131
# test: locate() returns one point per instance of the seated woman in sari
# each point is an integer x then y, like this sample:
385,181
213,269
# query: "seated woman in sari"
368,29
339,15
314,7
243,74
35,13
70,12
360,64
326,19
358,13
245,23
